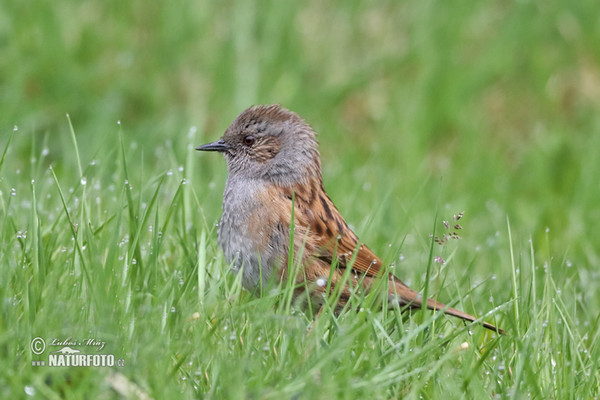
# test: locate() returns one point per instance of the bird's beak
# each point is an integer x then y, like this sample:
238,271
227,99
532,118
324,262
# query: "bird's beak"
219,146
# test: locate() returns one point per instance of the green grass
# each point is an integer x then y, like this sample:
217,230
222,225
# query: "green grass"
423,109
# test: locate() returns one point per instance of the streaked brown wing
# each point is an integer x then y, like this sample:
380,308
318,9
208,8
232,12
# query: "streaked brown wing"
328,232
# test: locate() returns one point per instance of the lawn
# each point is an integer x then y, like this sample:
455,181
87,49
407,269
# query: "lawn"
423,109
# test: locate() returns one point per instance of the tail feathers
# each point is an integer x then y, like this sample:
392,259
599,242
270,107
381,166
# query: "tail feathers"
433,305
406,296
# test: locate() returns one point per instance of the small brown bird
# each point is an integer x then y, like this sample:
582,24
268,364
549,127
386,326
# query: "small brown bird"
273,162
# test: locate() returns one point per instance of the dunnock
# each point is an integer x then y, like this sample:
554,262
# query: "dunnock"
273,162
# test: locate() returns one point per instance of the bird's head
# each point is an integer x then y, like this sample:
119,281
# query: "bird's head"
270,143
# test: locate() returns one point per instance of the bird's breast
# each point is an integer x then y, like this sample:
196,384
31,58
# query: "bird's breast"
246,231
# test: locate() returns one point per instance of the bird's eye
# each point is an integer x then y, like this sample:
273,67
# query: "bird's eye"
249,140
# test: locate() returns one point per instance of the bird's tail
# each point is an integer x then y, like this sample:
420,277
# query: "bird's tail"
406,296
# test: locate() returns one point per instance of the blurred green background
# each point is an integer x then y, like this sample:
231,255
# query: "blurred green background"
423,109
492,101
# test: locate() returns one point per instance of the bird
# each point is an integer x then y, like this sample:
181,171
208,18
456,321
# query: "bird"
274,174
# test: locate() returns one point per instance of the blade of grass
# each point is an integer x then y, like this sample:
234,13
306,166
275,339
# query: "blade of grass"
201,268
135,251
82,261
514,278
10,137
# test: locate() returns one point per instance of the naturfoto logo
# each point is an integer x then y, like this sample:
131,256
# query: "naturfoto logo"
67,353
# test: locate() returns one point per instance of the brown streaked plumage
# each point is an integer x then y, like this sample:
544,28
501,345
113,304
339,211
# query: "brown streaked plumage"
272,158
